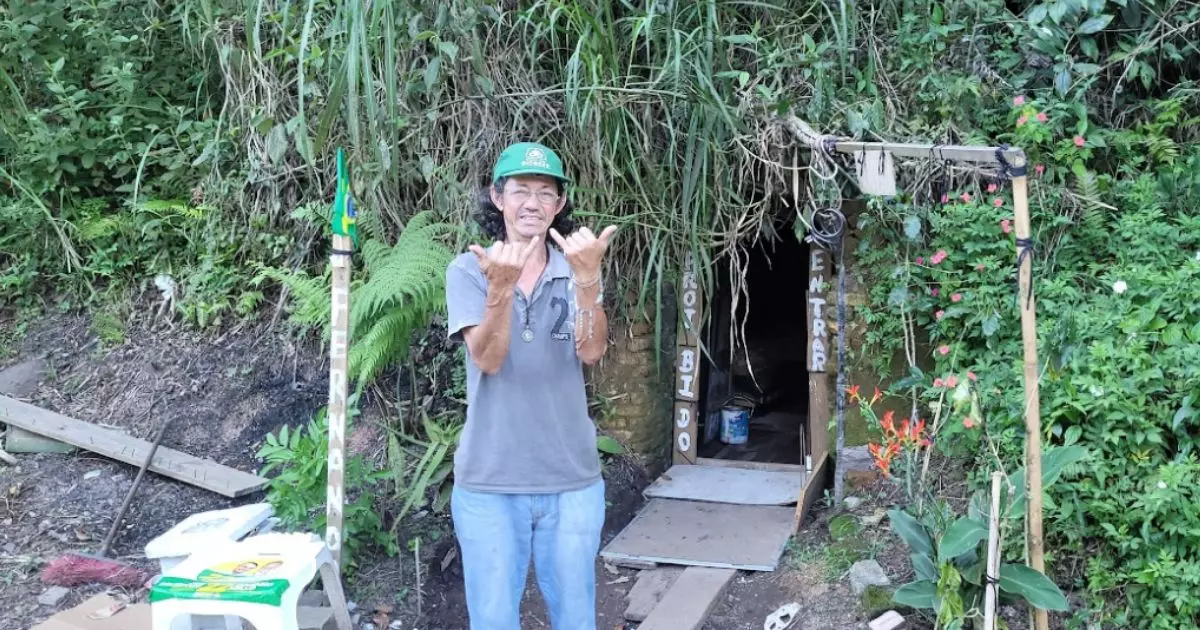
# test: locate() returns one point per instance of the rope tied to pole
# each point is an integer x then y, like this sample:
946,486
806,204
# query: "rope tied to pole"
1025,249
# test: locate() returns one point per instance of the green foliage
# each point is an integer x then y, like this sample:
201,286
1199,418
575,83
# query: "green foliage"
297,493
1118,328
422,468
949,553
404,289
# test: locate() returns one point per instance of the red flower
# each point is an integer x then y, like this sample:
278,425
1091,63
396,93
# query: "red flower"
940,255
971,375
1039,169
1079,141
937,382
945,198
939,314
1005,226
853,392
934,291
1022,120
966,197
1042,117
1018,100
957,297
944,350
877,396
951,380
920,260
997,202
980,267
991,188
968,422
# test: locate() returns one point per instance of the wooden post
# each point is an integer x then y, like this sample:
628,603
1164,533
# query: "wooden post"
993,557
338,385
816,451
818,353
687,367
1033,423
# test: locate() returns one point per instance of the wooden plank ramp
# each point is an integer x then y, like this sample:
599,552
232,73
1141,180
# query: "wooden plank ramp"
695,533
728,485
690,600
113,444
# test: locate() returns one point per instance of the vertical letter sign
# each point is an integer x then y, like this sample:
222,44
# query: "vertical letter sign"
345,237
687,367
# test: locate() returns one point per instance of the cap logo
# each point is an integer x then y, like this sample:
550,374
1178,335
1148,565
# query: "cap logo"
535,158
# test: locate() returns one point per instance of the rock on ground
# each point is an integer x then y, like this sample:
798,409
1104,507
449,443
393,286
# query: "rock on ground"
865,573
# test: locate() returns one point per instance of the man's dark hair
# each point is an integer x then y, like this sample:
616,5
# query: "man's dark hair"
491,219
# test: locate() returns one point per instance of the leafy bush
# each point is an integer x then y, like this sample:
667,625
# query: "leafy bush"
1118,296
297,493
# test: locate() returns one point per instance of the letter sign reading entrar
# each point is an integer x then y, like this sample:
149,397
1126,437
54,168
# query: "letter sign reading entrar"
818,335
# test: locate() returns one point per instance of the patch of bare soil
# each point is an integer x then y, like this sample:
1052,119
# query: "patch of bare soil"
224,394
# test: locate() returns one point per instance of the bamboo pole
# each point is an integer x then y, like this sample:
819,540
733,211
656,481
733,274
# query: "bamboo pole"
993,557
1033,429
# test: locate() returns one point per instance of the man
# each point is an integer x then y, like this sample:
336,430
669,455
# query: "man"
527,472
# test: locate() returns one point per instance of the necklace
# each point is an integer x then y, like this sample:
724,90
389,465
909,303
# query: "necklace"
527,334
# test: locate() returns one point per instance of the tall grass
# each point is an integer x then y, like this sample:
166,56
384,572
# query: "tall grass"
663,111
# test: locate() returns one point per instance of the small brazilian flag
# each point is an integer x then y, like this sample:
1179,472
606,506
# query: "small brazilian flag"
344,215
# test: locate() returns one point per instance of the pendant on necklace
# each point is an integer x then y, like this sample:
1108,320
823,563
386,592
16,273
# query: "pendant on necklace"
527,335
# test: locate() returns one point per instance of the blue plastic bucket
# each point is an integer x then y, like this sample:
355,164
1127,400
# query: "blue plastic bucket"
735,425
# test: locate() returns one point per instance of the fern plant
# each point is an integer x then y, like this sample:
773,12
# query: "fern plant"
404,288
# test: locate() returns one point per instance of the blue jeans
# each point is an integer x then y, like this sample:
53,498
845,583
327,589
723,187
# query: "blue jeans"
497,534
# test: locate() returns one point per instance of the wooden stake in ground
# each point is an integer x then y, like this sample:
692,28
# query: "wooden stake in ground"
992,576
1033,423
345,237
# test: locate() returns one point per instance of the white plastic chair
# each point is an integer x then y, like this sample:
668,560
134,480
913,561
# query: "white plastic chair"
259,579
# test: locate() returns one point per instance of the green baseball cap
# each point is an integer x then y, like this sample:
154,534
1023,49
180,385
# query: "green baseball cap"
528,158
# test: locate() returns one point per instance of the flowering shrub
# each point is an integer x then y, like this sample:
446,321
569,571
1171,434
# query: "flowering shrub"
1117,284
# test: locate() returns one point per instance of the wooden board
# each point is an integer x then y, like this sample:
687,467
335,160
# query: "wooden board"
720,484
695,533
199,472
813,489
687,605
737,463
649,589
687,367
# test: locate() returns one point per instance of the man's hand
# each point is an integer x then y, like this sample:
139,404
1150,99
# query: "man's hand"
502,263
584,251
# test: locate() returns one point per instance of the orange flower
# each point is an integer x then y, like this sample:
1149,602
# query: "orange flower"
888,423
853,392
876,396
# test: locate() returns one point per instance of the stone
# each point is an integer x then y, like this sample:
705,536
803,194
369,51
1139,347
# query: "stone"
890,620
865,573
53,595
859,479
873,519
856,458
852,503
21,381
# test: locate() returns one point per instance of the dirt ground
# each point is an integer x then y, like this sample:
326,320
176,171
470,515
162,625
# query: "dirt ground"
225,394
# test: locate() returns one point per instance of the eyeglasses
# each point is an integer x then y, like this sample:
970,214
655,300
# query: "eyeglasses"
545,197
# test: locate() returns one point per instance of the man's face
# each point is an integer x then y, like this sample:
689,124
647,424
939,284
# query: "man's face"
529,204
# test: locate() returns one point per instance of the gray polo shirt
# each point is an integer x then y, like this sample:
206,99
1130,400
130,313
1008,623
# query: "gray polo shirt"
527,428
